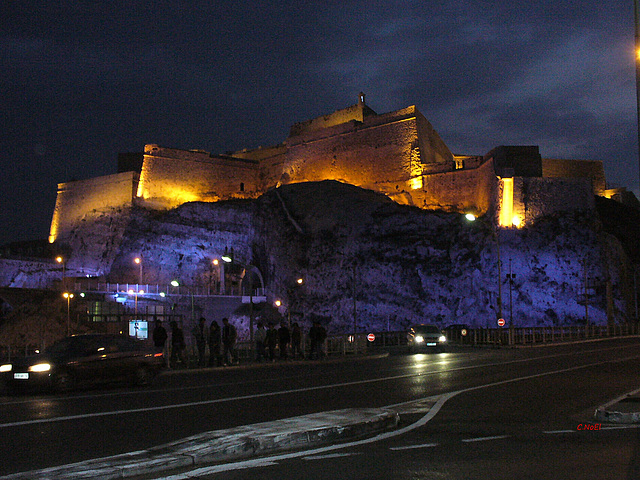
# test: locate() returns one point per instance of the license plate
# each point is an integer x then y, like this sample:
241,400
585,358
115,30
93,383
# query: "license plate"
21,376
431,344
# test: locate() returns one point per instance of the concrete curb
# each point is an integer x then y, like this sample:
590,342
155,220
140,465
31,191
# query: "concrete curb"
224,445
624,409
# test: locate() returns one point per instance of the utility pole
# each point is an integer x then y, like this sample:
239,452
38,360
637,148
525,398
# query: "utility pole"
511,277
637,63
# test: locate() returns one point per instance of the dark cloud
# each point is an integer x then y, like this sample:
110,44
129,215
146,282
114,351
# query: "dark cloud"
84,80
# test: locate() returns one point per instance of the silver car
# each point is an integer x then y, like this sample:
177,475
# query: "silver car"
426,337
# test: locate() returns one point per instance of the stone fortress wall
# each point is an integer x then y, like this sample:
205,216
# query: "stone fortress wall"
80,200
554,168
172,177
397,153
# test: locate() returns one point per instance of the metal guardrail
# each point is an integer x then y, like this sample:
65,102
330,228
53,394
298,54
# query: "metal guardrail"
153,289
519,335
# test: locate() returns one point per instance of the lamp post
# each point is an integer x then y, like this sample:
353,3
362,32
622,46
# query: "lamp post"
68,296
472,218
636,16
176,283
138,261
226,258
510,277
60,260
135,294
215,263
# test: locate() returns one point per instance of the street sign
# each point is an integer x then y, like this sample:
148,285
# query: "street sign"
371,337
501,322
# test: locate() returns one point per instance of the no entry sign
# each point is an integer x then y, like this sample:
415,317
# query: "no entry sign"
501,322
371,337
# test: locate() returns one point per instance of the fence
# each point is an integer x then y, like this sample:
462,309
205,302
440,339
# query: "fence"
519,335
155,289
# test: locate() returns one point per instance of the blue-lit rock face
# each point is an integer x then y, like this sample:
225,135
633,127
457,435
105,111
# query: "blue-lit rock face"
405,265
402,265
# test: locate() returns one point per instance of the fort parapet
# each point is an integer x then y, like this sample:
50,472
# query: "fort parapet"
397,153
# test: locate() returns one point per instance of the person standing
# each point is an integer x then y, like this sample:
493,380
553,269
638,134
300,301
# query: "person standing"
272,341
296,341
160,339
229,337
261,338
177,345
200,334
284,337
215,340
317,337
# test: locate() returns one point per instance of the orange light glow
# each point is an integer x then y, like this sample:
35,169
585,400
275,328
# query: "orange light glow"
506,210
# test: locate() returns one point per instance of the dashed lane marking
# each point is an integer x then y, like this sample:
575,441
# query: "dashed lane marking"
484,439
331,455
412,447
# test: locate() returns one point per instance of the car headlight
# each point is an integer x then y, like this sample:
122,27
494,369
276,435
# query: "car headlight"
6,368
442,339
40,367
419,339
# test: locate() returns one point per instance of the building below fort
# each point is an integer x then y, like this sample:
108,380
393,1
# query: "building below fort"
398,153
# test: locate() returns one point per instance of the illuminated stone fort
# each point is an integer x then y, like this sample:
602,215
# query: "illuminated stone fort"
397,153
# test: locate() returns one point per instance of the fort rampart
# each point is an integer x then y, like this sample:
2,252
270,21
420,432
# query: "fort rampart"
397,153
81,199
171,177
553,168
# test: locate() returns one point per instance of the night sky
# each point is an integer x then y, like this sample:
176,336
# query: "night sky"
82,81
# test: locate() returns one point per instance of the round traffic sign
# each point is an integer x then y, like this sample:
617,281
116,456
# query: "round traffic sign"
371,337
501,322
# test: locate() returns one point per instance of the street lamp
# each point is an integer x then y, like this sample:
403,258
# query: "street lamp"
60,260
138,261
472,218
248,268
176,283
68,296
215,263
636,16
135,293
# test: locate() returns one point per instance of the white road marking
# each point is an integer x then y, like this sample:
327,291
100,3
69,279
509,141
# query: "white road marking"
331,455
412,447
442,399
484,439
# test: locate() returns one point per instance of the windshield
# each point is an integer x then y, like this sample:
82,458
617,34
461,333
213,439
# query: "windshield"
425,329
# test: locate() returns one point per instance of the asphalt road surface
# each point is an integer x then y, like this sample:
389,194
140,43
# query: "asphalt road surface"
486,413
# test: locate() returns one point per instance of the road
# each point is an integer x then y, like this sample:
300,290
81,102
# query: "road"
487,413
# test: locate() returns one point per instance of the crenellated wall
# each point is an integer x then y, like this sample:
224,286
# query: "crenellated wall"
471,190
171,177
85,198
398,153
553,168
382,149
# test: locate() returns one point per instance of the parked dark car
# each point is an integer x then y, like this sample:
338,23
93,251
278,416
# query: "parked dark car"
426,337
84,360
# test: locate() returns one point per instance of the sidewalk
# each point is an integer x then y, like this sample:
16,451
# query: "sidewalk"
624,409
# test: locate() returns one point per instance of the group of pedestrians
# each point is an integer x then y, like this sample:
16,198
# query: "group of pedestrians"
222,342
267,340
